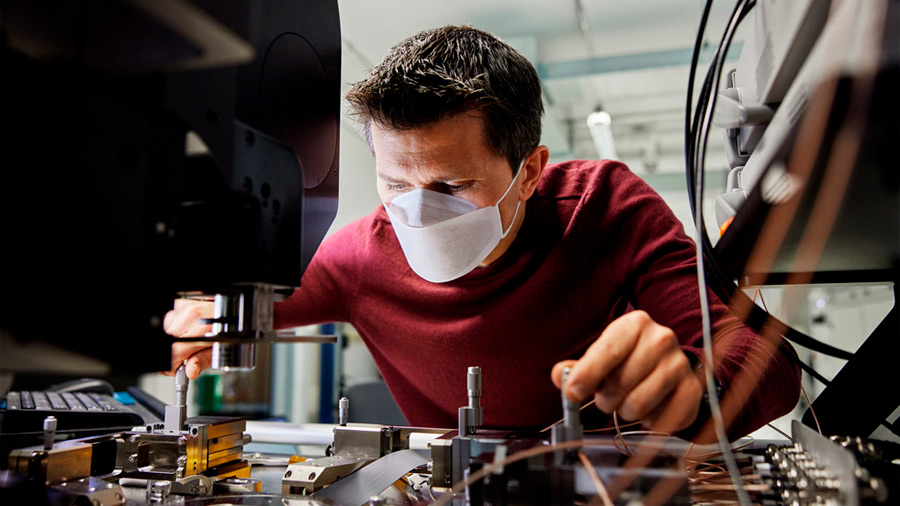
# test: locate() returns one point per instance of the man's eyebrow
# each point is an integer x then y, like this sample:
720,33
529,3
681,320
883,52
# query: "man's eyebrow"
455,177
387,178
452,177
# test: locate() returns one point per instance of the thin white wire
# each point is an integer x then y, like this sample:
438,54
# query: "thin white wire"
715,409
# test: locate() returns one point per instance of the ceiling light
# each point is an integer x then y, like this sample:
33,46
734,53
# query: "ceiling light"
598,123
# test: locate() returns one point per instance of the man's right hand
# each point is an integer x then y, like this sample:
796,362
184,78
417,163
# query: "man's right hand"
184,321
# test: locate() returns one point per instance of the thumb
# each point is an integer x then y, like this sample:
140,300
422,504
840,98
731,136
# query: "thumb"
556,373
198,362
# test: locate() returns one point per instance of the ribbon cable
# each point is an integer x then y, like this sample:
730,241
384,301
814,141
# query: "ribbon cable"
356,489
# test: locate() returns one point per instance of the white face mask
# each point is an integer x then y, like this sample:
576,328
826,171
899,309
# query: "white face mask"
446,237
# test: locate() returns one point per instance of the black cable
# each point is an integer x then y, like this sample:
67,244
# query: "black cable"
721,283
89,431
812,372
758,318
689,126
719,424
696,136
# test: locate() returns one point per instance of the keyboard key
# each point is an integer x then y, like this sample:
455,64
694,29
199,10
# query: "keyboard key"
41,402
56,401
73,402
89,403
12,400
104,401
27,400
124,398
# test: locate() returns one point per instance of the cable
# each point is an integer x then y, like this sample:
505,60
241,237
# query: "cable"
89,431
723,287
627,450
650,450
759,319
696,136
598,483
688,452
602,429
607,429
803,365
718,423
812,372
745,442
811,410
783,433
761,299
822,379
689,129
515,457
621,437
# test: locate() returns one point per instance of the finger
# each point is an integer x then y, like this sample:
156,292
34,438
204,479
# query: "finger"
184,351
173,323
176,323
556,373
653,346
655,389
196,358
198,362
184,319
679,411
605,354
644,398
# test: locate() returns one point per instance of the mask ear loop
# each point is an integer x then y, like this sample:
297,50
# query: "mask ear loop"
518,203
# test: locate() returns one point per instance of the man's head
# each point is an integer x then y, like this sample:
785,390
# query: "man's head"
455,111
444,72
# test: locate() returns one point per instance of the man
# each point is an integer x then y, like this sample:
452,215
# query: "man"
483,255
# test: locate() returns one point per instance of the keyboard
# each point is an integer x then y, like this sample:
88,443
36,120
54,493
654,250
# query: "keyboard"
25,411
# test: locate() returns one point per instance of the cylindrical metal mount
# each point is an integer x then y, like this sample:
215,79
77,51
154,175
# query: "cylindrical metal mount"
233,357
49,432
158,491
472,416
343,411
228,313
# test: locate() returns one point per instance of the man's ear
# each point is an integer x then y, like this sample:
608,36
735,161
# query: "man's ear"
533,168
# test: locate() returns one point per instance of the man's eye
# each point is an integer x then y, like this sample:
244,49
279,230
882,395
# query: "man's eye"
456,187
396,186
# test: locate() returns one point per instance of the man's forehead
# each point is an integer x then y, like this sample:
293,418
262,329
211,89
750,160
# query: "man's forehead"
465,129
433,172
449,150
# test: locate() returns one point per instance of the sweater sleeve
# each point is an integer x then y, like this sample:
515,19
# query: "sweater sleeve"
659,275
327,285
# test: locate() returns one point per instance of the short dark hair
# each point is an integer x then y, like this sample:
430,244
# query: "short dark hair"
439,73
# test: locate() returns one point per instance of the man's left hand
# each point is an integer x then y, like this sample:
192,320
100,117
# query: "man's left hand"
636,368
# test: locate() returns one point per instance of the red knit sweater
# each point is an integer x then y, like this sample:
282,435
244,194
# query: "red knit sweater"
596,241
